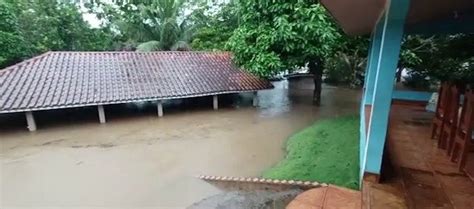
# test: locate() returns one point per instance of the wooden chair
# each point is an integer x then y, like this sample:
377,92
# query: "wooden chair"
463,144
438,120
450,123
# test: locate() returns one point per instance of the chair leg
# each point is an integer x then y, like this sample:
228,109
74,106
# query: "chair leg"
441,141
463,157
450,143
433,130
454,152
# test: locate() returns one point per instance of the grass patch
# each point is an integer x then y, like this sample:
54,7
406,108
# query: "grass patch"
327,151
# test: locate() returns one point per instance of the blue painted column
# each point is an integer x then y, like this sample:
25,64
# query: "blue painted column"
369,57
391,34
369,83
372,61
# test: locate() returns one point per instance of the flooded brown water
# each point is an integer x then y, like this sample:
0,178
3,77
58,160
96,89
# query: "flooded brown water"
137,160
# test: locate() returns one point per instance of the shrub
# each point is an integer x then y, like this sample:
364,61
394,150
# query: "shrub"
417,80
345,69
149,46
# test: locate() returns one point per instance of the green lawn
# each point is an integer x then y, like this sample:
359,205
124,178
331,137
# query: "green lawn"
327,151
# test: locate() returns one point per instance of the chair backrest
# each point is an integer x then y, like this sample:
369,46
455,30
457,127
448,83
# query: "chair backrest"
452,104
467,114
442,98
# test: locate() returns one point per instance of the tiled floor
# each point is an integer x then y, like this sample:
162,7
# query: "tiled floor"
330,197
418,175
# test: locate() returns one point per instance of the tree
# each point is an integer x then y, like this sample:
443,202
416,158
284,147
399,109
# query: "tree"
441,57
161,21
214,24
278,35
31,27
12,44
58,25
347,65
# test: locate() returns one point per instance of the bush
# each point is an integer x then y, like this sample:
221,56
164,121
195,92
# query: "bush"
181,46
345,69
149,46
417,80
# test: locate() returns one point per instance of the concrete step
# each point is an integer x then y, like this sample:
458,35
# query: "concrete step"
332,197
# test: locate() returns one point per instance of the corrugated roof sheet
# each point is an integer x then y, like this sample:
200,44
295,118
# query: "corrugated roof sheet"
74,79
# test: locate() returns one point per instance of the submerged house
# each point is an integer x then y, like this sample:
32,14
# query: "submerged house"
58,80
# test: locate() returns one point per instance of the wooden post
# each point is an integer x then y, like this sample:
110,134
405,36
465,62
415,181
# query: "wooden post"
30,120
160,108
255,99
215,102
100,108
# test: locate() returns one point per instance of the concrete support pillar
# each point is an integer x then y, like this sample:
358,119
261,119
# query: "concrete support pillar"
101,111
369,83
372,61
30,120
392,25
160,108
255,99
215,102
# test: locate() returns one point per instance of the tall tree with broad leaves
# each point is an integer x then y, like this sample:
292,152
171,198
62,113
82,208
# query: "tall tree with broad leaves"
12,44
278,35
442,57
154,21
215,24
32,27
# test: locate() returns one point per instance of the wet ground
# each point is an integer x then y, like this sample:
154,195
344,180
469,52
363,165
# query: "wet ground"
137,160
417,173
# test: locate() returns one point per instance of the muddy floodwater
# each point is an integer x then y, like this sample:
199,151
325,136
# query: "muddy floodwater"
137,160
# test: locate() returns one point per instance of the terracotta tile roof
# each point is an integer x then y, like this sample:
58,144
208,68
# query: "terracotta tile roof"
74,79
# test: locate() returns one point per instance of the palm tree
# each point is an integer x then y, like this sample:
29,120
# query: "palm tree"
162,24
